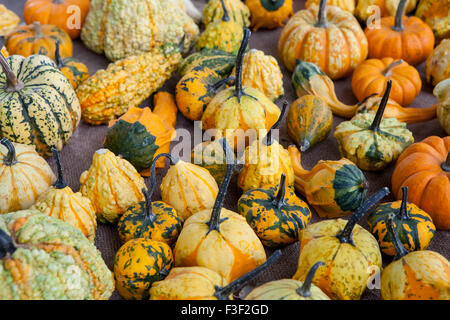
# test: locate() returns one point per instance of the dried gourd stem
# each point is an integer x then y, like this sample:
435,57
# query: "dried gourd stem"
12,83
403,212
37,29
58,59
60,182
7,246
399,249
225,16
239,62
375,126
345,236
322,21
446,164
58,1
224,293
181,44
388,71
268,139
279,199
216,86
305,289
398,24
149,215
10,158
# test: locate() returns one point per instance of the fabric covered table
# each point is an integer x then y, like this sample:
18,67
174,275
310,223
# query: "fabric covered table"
77,154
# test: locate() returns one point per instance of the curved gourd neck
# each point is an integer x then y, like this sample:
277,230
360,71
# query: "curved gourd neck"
322,21
279,200
239,91
403,212
60,182
224,293
11,158
225,16
398,18
387,72
446,164
305,289
345,236
7,246
12,83
268,139
58,59
399,249
375,126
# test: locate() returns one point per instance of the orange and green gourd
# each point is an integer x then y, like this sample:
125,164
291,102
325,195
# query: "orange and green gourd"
74,70
236,9
218,61
347,250
413,226
436,14
275,214
372,142
269,14
8,20
417,275
138,264
333,188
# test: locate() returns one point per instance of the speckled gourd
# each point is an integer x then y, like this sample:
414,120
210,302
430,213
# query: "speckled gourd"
237,10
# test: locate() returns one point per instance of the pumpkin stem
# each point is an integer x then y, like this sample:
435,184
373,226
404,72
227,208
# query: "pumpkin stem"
398,24
345,236
239,61
399,248
60,182
10,158
305,289
403,212
322,15
226,16
375,126
149,215
12,83
446,165
224,293
279,199
58,59
214,222
388,71
268,140
37,28
181,44
216,86
7,246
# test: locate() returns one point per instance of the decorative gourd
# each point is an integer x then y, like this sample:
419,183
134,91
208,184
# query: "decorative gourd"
4,52
275,214
44,258
437,67
331,38
24,176
138,264
69,15
435,13
372,75
399,37
346,5
237,10
347,250
309,79
333,188
123,28
126,83
38,39
262,72
220,239
192,10
199,283
365,8
424,167
8,20
187,187
236,109
74,70
442,93
309,121
418,275
62,203
141,134
112,184
225,34
264,162
196,89
218,61
372,142
269,14
38,106
289,289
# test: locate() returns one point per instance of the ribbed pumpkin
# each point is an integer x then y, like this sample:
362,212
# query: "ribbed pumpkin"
330,38
442,93
138,264
237,10
399,37
38,39
112,184
309,79
218,61
269,14
424,167
346,5
262,72
123,28
309,121
8,20
187,187
44,258
413,226
38,106
141,134
437,67
275,214
333,188
418,275
74,70
237,109
219,239
365,8
62,203
24,176
435,13
126,83
372,75
346,249
289,289
372,142
68,15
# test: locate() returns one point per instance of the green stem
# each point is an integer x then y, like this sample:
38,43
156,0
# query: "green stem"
268,140
305,289
403,212
398,24
7,246
399,248
224,293
149,215
239,61
446,164
279,199
58,59
12,83
375,126
216,86
225,16
60,182
10,158
322,21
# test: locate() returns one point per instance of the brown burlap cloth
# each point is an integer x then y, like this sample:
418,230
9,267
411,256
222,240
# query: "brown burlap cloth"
77,155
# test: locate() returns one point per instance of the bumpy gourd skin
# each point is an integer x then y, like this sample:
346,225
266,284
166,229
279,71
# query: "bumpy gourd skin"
368,149
347,5
75,71
237,11
54,261
284,289
221,35
9,20
121,28
126,83
437,66
442,93
435,13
